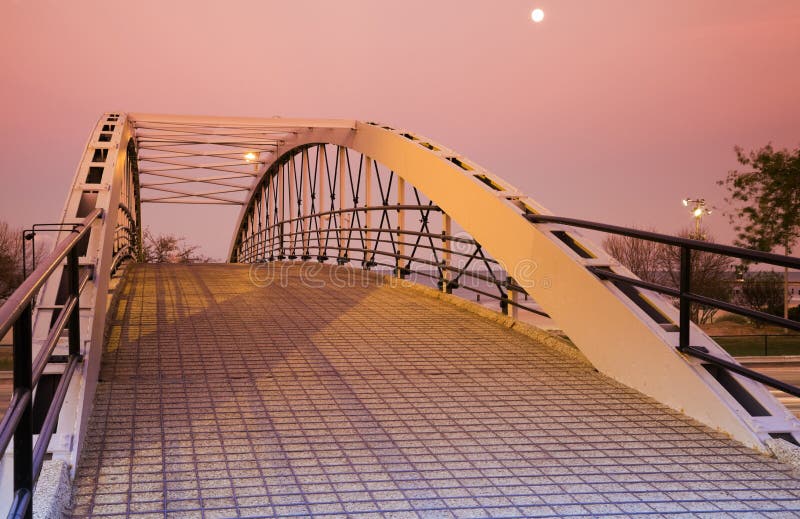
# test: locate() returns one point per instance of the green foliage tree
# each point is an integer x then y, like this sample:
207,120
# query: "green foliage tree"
766,200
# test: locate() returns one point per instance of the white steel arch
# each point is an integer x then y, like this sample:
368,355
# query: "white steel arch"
549,261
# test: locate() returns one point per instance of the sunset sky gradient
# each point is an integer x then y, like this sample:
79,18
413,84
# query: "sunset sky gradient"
607,110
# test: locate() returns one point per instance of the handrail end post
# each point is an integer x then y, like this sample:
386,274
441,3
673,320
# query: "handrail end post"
685,302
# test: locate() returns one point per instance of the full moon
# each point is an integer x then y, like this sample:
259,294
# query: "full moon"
537,15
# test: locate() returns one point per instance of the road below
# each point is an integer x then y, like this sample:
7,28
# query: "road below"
785,369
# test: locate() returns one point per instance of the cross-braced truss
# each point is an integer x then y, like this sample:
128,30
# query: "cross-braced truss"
325,202
204,161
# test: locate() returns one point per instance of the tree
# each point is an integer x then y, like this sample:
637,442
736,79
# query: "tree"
168,248
766,201
712,274
763,291
642,257
10,259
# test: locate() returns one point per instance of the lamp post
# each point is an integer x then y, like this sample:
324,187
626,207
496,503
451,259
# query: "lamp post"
698,211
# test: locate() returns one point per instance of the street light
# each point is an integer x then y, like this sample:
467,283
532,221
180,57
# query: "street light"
698,210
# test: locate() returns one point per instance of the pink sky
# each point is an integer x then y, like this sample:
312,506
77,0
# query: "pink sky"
608,110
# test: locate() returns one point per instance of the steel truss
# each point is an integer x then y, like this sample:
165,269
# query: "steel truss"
329,202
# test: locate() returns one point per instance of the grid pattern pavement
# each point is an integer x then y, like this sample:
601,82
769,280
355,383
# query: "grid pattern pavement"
222,398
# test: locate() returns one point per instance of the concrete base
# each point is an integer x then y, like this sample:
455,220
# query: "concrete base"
786,453
53,493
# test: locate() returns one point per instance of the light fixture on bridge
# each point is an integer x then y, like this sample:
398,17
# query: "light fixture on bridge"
250,156
537,15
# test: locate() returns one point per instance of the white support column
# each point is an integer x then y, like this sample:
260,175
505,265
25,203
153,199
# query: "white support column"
322,171
447,232
270,218
281,184
513,297
265,207
367,214
342,157
401,224
249,238
305,174
292,201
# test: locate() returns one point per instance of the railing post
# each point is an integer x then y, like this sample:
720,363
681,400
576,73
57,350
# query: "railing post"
447,231
513,297
282,174
368,213
765,345
342,256
25,253
322,172
305,175
23,436
290,214
74,290
685,303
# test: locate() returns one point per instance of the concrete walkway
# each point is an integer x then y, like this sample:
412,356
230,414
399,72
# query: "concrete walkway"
222,398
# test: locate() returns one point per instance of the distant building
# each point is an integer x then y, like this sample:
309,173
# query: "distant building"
794,287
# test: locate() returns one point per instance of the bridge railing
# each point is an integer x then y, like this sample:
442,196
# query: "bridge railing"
684,293
17,313
423,253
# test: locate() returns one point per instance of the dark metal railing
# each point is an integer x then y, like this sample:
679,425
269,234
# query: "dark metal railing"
759,344
684,292
17,313
326,236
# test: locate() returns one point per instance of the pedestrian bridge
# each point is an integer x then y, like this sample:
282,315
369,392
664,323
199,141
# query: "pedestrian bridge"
332,367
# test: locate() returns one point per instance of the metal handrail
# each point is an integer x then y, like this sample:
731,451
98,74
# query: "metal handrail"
699,245
24,294
17,312
684,293
259,246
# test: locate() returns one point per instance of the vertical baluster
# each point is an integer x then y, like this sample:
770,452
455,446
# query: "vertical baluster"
447,231
401,221
322,236
290,213
74,290
23,436
342,157
685,304
306,196
367,213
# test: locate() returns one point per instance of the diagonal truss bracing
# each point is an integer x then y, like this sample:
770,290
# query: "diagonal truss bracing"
208,160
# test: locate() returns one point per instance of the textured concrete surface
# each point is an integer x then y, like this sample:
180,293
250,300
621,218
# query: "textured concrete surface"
52,494
786,452
222,398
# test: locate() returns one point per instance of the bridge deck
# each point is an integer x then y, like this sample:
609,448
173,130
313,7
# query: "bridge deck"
220,398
